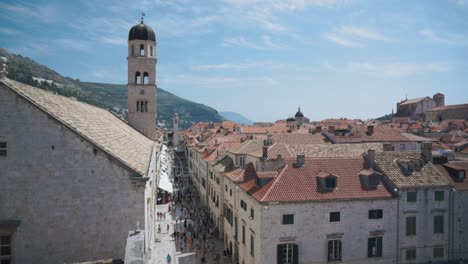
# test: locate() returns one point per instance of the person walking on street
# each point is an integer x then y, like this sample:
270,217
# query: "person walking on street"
168,258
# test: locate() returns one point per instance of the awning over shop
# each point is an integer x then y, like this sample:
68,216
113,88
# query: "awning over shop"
165,183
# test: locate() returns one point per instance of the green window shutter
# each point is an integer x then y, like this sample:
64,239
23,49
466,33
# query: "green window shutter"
279,254
369,247
295,254
379,246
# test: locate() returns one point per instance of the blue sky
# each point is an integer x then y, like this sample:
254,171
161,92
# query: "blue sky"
260,58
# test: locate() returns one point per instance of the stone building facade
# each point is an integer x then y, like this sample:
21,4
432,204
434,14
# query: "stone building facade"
69,190
448,112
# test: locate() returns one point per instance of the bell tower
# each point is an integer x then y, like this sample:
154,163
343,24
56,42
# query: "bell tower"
142,79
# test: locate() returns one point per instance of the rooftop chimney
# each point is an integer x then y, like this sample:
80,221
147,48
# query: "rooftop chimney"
269,138
371,157
318,129
265,152
426,151
300,160
331,129
370,129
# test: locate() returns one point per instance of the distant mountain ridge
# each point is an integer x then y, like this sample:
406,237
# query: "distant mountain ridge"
236,117
108,96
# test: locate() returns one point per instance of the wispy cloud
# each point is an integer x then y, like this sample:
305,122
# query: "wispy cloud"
9,31
43,12
352,36
394,69
237,66
265,44
74,44
217,82
448,38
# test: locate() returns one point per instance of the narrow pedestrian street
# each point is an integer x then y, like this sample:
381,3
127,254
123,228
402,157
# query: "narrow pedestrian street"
183,227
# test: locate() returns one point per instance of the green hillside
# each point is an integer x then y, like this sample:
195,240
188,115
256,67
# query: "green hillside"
108,96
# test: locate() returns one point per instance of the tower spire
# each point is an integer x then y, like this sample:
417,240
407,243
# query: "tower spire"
142,17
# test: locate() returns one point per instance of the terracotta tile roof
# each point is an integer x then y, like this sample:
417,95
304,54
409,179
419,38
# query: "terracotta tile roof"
459,186
450,107
412,101
319,150
300,184
413,137
100,127
247,147
427,176
236,175
299,139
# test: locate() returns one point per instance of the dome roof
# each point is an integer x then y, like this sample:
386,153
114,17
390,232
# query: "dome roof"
141,32
290,120
299,113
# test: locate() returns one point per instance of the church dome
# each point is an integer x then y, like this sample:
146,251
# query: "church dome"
290,120
141,32
299,113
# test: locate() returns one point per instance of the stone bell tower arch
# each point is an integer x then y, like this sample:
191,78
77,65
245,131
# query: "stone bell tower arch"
142,79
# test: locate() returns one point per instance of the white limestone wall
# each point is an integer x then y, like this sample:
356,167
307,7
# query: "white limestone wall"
425,208
312,226
460,225
253,227
74,202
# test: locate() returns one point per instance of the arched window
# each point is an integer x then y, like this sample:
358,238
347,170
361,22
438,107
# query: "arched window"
151,51
138,106
142,50
145,78
137,78
146,106
133,50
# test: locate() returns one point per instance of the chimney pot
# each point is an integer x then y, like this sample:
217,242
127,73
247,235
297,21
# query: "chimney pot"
318,129
300,160
426,150
371,157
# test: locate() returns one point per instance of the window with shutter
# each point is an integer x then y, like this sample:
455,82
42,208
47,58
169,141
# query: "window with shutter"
374,247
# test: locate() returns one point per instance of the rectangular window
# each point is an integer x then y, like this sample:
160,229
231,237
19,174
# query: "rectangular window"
410,254
411,225
243,234
287,254
438,252
374,247
5,249
330,182
3,149
439,195
230,192
334,250
288,219
252,246
438,224
252,215
225,187
243,205
376,214
242,161
411,197
334,216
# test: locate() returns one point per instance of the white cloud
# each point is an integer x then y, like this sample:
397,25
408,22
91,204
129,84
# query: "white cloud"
74,44
237,66
265,44
43,12
217,82
9,31
396,69
352,36
448,38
